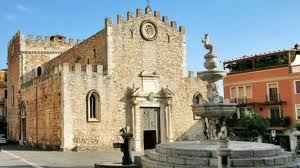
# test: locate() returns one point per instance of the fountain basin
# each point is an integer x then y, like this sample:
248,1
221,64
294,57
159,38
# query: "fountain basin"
211,76
194,154
218,110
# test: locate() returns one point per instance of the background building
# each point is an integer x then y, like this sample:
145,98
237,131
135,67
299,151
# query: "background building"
268,84
3,96
77,96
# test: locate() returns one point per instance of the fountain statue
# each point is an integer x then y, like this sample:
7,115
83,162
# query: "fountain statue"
217,151
214,112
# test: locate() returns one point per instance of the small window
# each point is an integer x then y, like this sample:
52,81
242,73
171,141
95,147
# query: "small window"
273,92
275,112
93,106
39,71
297,111
233,93
94,52
241,92
297,87
249,91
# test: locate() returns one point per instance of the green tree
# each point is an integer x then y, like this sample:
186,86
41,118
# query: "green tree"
253,126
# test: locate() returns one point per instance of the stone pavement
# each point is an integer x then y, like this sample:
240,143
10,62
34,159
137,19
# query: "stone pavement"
12,157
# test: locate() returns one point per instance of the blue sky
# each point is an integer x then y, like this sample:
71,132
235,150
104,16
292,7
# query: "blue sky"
236,27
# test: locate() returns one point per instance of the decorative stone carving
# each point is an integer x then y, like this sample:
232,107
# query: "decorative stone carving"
207,45
148,30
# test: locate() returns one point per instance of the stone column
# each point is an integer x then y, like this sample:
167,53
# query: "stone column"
134,124
137,128
163,123
169,121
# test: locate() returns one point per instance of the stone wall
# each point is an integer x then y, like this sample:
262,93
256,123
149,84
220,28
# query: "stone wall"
90,51
128,56
25,54
3,95
42,99
37,50
131,54
133,71
13,86
79,133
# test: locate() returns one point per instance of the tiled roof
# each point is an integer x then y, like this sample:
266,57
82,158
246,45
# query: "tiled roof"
258,55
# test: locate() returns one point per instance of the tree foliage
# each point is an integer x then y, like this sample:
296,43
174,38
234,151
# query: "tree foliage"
253,126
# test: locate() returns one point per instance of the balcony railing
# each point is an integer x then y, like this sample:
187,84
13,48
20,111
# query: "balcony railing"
280,122
240,101
273,99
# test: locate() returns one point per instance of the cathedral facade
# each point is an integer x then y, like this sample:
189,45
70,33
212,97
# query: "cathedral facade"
76,95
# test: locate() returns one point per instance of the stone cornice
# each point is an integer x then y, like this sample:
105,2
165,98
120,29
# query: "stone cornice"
41,52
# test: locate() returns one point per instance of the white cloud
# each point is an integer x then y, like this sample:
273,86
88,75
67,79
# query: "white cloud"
22,8
10,17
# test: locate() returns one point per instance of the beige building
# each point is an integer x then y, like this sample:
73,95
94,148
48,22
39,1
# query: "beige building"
3,96
76,95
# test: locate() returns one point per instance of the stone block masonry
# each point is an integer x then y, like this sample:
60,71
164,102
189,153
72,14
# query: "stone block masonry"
132,65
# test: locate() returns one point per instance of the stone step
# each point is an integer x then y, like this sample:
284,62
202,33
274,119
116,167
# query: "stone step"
153,156
184,152
293,165
171,163
266,161
256,153
148,163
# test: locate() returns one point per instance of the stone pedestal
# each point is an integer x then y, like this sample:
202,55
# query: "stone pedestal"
223,153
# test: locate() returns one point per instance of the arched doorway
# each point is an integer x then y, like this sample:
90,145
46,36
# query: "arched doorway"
22,123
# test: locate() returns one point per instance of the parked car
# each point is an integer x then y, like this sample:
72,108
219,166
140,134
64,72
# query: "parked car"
2,139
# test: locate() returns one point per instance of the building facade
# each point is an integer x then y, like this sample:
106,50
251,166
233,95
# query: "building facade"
3,98
77,96
267,84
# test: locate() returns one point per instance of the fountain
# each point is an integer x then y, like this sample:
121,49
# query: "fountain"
217,151
213,112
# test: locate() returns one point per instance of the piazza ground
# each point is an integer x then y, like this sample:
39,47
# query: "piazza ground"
13,157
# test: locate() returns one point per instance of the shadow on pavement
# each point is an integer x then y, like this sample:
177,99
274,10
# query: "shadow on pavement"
67,167
17,147
26,166
18,166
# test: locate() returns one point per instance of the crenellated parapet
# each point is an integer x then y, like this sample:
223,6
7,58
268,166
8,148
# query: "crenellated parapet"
42,73
141,13
50,40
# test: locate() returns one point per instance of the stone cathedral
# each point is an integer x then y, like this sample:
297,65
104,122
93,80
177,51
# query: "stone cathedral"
76,95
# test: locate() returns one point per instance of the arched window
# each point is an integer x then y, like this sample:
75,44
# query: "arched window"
39,71
93,106
22,109
198,98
